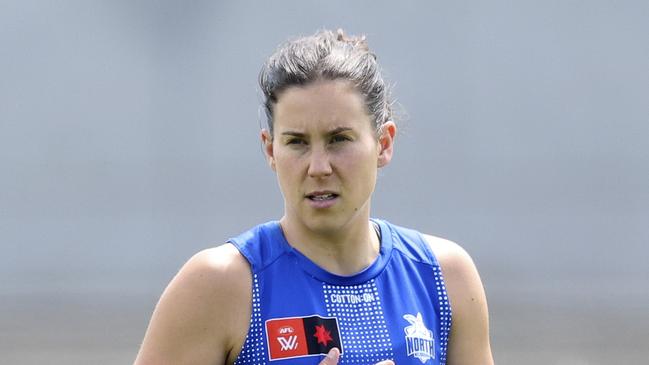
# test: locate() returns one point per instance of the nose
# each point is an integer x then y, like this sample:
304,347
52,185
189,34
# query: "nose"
319,164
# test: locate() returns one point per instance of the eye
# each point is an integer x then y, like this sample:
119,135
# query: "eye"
295,141
340,138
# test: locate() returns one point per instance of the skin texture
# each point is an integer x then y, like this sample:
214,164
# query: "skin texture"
204,312
323,141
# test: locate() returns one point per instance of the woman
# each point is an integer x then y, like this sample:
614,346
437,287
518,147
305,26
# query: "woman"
326,283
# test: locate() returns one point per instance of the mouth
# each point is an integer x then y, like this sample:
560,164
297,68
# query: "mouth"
321,196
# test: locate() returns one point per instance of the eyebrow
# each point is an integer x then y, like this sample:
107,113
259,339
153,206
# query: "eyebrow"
331,132
339,130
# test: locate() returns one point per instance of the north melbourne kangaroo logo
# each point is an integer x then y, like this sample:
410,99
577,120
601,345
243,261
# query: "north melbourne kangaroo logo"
419,339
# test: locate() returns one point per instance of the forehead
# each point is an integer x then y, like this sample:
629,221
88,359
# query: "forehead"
323,103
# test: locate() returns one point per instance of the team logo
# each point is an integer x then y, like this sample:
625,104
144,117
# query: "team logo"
419,339
301,336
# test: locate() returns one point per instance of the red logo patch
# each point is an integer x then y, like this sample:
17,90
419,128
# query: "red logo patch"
286,338
302,336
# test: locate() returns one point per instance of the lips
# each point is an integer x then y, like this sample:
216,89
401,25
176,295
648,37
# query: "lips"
321,196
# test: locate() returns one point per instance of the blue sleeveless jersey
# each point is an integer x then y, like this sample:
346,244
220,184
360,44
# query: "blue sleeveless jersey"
397,308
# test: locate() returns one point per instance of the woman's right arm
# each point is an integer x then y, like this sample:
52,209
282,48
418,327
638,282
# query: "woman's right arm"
204,313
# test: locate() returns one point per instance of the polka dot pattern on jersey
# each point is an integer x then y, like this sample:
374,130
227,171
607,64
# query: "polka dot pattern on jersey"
365,335
444,312
253,351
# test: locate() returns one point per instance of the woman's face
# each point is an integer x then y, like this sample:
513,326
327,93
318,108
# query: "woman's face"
325,152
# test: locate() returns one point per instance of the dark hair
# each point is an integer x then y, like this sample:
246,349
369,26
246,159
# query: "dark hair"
329,56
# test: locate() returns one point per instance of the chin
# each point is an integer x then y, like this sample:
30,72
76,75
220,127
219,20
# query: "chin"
330,223
325,225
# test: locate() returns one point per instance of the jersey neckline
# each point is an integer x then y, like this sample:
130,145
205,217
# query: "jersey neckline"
370,272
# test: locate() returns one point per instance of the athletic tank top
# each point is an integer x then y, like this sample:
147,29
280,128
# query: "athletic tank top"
396,308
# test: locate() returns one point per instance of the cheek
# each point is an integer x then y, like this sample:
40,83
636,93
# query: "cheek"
360,166
283,158
287,173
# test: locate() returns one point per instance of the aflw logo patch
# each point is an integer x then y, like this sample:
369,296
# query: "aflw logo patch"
301,336
288,343
419,339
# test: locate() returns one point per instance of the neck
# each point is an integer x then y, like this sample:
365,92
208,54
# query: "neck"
346,251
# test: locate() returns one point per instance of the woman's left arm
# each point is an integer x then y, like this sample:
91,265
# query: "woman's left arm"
469,338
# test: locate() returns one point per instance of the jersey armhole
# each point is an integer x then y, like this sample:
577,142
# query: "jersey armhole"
428,250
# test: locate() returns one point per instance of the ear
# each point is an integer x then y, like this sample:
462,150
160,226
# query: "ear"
386,143
267,145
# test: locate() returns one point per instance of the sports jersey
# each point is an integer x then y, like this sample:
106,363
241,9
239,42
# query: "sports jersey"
397,308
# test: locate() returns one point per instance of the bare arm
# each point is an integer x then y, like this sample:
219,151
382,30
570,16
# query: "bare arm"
203,315
469,338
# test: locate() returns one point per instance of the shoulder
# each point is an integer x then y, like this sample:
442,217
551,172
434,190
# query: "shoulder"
204,311
224,261
453,259
211,275
461,276
469,341
219,275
